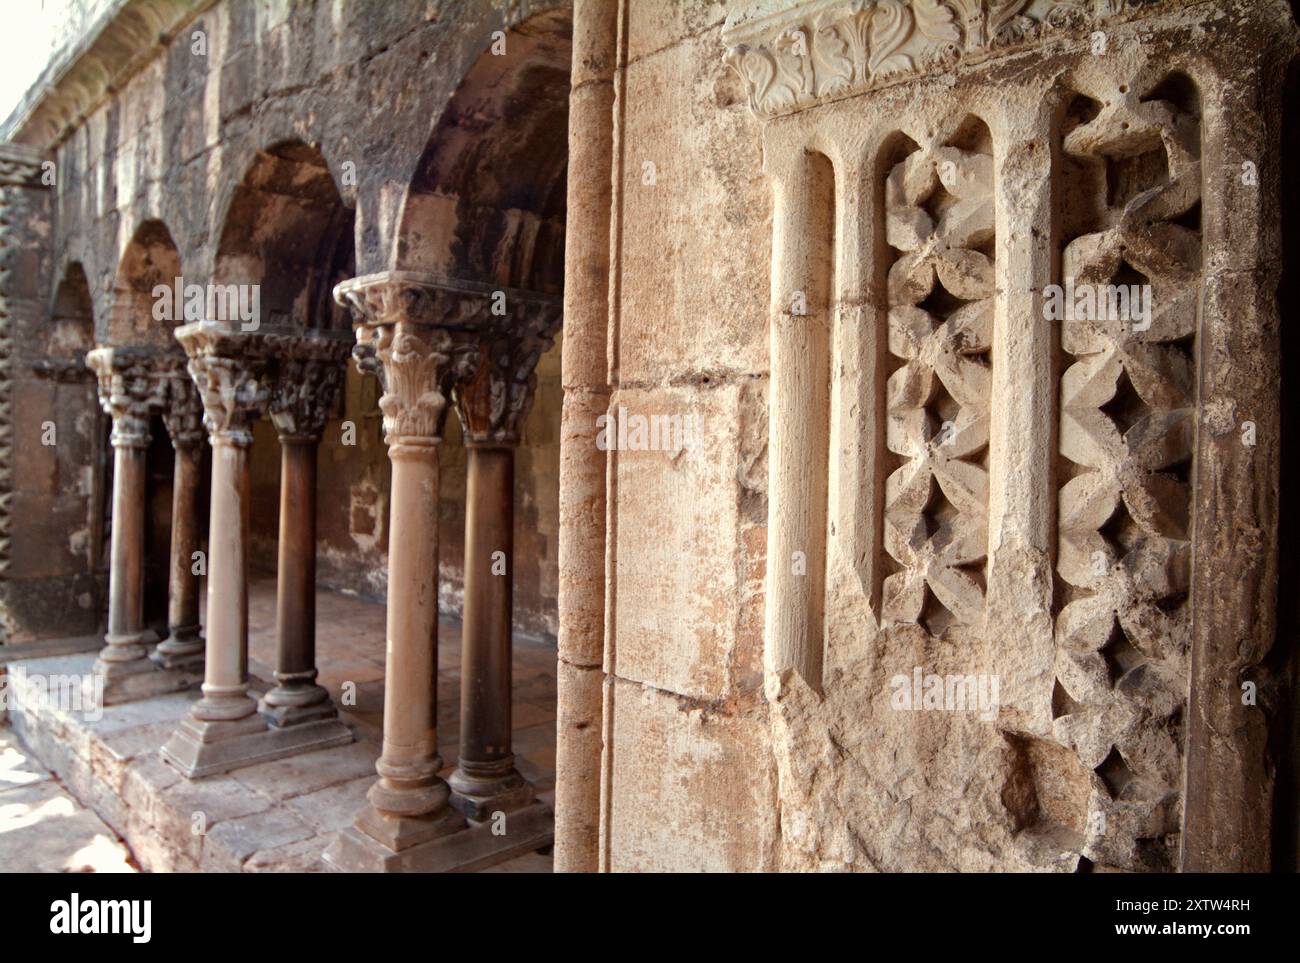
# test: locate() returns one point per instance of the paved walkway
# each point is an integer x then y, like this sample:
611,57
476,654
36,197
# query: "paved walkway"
43,828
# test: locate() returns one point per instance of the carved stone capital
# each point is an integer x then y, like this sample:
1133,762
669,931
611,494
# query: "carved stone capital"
827,49
232,372
129,388
426,332
309,372
493,401
182,408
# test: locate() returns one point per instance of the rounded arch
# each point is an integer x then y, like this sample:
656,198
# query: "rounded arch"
487,199
150,260
288,233
71,332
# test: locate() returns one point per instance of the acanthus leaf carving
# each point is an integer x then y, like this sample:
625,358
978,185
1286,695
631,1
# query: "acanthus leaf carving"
829,49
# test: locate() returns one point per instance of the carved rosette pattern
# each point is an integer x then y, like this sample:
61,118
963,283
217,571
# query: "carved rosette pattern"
309,373
493,403
233,375
939,215
1127,434
130,389
832,48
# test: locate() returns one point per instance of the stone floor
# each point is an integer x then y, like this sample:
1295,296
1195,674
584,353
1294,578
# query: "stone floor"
107,775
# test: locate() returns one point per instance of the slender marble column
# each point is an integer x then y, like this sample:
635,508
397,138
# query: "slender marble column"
306,388
183,416
492,404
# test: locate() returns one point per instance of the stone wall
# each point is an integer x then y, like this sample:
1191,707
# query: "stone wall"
834,234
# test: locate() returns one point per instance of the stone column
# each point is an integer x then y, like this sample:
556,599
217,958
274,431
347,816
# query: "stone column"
130,388
492,405
422,331
586,364
306,387
183,415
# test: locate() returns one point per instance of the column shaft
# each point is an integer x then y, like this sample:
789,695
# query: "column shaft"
296,697
485,778
183,640
126,572
409,763
225,681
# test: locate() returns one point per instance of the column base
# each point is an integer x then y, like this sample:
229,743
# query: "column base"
474,846
284,708
144,678
201,748
182,650
478,798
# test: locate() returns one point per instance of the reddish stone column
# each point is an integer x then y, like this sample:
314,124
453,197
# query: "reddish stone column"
306,389
183,416
236,374
492,405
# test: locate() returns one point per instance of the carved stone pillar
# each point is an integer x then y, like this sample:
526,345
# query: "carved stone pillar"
182,413
422,332
306,387
492,404
129,389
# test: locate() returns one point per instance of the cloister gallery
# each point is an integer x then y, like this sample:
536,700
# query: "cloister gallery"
870,430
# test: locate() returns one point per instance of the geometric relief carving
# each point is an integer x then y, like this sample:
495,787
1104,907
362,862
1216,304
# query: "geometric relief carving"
1131,202
940,225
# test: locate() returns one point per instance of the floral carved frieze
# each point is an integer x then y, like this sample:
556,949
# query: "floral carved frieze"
831,48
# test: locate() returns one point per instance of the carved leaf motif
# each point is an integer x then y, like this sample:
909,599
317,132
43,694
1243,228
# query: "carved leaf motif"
770,88
1002,15
936,20
890,28
833,59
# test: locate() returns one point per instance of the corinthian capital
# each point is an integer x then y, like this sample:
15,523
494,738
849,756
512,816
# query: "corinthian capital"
308,374
419,332
128,389
232,373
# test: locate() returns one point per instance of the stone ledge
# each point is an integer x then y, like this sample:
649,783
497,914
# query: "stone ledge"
276,816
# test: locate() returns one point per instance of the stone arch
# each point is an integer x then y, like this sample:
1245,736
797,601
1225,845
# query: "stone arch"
150,262
487,199
288,232
487,204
